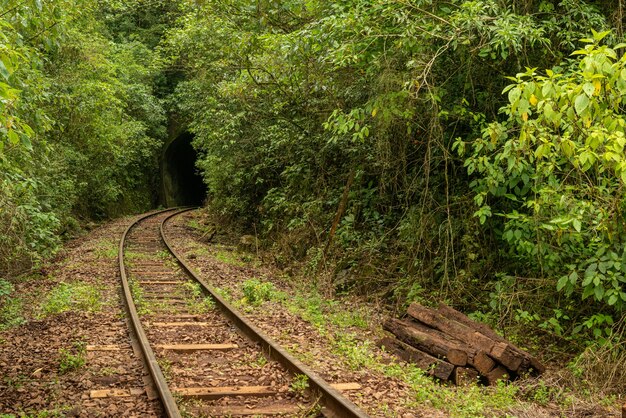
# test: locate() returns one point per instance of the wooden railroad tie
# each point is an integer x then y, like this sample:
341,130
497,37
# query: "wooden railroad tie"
224,391
106,348
451,346
187,348
286,409
254,391
160,282
183,324
116,393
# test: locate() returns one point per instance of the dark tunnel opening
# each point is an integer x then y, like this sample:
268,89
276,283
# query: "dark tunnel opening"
182,183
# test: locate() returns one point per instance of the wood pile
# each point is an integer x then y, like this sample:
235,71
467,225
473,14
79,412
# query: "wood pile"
452,347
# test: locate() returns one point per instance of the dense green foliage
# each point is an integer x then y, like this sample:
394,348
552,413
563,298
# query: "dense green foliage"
79,124
380,142
377,116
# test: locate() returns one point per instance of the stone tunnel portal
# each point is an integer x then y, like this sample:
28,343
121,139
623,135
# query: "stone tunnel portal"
182,184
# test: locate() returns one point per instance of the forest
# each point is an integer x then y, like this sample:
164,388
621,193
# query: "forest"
466,152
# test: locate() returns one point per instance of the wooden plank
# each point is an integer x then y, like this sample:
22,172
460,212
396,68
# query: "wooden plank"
507,356
483,363
451,327
499,373
433,366
428,342
176,316
224,391
183,324
161,282
529,361
288,410
161,296
196,347
106,348
115,393
344,387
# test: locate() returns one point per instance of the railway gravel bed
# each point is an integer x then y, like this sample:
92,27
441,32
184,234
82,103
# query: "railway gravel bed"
197,349
227,268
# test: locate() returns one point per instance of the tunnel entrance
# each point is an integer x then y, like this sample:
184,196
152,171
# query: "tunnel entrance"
182,185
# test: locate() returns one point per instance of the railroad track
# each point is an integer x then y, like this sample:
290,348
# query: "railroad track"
204,357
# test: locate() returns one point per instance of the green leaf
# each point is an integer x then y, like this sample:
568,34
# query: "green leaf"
14,139
561,283
577,225
514,95
599,292
4,72
581,103
26,142
589,89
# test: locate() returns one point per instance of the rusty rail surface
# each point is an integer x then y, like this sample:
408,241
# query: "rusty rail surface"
335,403
169,404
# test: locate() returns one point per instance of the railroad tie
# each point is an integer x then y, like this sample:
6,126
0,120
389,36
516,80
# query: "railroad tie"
224,391
110,347
160,282
278,409
183,324
116,393
187,348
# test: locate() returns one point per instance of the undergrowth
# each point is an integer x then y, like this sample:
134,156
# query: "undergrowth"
141,304
72,359
10,306
76,296
197,302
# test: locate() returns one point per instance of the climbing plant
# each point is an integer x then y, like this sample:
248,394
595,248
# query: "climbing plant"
552,175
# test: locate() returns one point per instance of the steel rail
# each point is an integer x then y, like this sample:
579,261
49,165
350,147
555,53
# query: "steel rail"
169,404
338,405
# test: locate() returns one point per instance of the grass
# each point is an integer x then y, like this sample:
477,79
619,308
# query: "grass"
77,296
16,382
10,307
260,361
106,249
299,384
233,257
255,292
72,359
107,371
197,303
323,313
166,367
141,304
357,354
59,412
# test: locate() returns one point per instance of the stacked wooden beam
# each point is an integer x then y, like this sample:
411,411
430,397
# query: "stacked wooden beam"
452,347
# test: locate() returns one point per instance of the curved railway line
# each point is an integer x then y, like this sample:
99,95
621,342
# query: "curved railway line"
204,357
